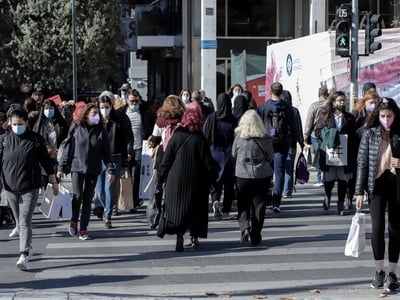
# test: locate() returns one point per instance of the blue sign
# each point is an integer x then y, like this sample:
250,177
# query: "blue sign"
209,44
289,64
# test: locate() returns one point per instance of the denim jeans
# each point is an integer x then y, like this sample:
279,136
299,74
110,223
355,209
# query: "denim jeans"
279,174
22,206
289,170
83,186
105,190
316,144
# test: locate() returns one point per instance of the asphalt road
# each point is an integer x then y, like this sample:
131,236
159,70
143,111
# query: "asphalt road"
301,257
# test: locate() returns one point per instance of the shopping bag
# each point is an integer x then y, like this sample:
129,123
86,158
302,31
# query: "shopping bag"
51,205
337,156
125,200
355,243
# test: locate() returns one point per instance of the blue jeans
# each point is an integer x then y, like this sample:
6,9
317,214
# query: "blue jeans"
316,144
289,170
279,174
105,190
22,206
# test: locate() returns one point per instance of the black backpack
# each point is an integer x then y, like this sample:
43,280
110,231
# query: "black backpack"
277,126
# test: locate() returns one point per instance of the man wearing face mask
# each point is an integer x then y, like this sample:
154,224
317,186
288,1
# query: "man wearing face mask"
142,120
125,88
52,126
335,121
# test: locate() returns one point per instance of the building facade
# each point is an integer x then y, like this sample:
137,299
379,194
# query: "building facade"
167,34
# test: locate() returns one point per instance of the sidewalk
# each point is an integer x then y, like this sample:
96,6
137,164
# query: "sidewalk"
331,294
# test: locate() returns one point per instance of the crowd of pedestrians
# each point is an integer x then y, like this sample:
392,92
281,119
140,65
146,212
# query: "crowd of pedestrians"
232,149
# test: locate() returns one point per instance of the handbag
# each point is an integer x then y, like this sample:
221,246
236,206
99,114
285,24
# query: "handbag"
355,243
125,200
52,205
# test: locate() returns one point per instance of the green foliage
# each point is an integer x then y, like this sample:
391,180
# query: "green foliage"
39,48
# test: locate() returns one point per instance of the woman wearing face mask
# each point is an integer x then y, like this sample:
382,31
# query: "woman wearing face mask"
378,171
185,96
52,126
335,122
234,91
116,126
23,153
86,146
363,109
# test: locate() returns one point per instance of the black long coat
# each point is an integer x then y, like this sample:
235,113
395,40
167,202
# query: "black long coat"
187,170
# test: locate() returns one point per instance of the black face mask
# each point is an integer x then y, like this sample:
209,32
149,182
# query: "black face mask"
341,108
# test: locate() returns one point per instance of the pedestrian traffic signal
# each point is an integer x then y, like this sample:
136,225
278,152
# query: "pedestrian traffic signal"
371,32
343,26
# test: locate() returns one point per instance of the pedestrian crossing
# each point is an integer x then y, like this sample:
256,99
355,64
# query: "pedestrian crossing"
302,250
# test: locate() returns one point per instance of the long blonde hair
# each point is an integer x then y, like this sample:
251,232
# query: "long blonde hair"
250,125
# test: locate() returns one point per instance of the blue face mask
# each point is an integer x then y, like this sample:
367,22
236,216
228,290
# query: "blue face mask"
134,107
18,129
49,113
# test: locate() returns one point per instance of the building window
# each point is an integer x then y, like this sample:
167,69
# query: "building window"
246,18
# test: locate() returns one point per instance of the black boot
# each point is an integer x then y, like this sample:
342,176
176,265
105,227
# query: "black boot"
179,243
340,208
327,203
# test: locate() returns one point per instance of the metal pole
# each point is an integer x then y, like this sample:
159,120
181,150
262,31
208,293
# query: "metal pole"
354,55
74,66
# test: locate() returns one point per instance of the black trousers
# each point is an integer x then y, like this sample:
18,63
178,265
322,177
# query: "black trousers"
385,194
252,198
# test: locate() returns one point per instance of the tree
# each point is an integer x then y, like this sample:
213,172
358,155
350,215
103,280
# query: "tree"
40,48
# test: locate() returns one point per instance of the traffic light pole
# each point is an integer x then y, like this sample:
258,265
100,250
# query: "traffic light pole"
354,55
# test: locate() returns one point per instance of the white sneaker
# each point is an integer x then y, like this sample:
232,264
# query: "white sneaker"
14,232
22,262
216,210
318,184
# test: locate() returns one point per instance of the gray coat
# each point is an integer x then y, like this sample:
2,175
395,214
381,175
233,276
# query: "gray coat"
253,157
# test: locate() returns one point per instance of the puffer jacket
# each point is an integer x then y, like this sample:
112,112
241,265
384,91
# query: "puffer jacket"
368,155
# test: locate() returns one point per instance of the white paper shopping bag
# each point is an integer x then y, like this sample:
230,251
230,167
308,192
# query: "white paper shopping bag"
51,205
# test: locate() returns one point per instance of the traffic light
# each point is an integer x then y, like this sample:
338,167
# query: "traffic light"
371,32
343,27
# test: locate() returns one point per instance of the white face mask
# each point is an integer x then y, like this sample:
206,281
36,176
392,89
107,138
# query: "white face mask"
105,112
185,99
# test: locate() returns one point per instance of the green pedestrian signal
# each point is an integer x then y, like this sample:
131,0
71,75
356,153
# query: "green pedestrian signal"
343,42
343,26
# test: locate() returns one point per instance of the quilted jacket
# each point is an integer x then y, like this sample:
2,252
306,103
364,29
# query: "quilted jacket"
367,161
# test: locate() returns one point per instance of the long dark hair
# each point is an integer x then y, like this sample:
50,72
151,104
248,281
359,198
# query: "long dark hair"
58,117
329,108
384,104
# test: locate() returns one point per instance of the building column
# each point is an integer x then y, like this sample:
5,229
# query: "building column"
209,48
317,16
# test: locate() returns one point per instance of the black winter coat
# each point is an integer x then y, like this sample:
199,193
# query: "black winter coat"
368,155
22,157
348,127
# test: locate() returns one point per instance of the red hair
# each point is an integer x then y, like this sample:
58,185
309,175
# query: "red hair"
192,117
